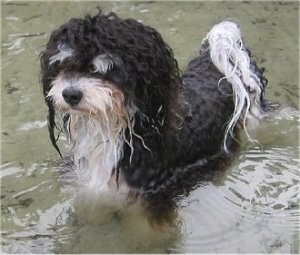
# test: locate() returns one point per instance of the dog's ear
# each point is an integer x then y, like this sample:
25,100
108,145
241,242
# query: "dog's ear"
46,72
52,126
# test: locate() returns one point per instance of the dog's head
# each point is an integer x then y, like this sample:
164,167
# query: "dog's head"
102,66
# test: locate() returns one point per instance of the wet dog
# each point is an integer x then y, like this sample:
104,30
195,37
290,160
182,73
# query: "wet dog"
135,123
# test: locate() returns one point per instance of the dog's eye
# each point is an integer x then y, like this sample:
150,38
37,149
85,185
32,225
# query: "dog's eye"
93,69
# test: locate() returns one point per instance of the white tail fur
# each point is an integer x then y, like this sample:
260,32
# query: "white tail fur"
232,59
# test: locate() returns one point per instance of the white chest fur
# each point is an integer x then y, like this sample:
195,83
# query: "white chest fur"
97,148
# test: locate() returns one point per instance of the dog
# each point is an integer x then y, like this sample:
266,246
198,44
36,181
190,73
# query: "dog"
135,123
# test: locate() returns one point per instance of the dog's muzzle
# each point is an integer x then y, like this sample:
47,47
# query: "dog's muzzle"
72,96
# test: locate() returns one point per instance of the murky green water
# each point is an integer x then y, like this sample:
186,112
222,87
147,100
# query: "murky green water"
253,207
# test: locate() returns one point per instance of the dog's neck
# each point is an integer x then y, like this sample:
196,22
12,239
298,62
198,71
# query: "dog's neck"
96,148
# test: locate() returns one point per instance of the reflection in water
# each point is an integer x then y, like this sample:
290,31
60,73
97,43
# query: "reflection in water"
250,206
100,229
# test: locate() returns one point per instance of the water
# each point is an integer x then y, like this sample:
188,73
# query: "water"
251,207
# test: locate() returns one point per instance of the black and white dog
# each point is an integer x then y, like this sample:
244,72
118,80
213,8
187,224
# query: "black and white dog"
135,123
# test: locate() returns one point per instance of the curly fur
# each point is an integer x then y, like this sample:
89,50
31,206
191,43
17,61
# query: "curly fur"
173,122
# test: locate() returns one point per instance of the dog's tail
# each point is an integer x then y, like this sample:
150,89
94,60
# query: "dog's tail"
229,55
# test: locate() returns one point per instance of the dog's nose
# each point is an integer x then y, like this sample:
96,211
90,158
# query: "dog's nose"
72,96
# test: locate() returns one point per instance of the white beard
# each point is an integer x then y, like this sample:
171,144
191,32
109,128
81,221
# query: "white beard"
97,147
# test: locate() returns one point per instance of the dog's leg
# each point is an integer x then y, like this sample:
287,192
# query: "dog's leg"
229,55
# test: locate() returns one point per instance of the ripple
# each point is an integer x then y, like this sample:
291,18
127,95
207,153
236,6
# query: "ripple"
33,125
254,210
31,221
7,170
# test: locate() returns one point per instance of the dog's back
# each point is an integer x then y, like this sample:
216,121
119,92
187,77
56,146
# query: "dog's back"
221,93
